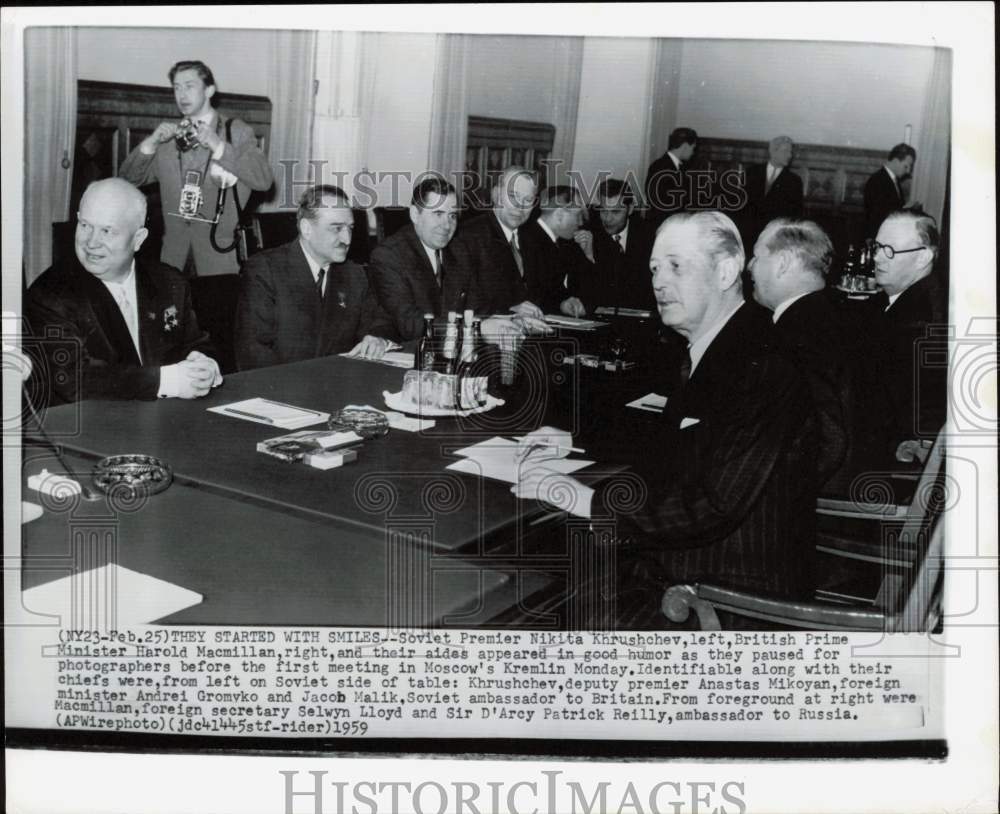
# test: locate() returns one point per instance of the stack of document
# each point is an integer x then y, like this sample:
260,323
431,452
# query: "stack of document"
608,311
651,402
273,413
561,321
496,458
393,358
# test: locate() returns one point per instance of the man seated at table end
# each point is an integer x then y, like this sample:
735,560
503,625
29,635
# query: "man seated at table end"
730,497
305,299
112,325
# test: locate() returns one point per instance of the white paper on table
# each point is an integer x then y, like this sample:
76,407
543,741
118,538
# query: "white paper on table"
573,322
607,310
496,458
393,358
272,413
108,598
651,403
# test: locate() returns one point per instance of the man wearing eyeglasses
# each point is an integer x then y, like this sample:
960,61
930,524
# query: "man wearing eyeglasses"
306,299
910,325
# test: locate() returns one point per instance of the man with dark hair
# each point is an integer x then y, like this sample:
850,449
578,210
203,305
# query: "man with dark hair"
789,268
772,190
557,252
490,247
620,277
728,493
306,299
883,190
910,342
667,190
414,272
130,323
224,153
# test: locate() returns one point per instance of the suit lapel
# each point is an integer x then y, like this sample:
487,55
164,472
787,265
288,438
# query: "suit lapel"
108,315
152,318
424,271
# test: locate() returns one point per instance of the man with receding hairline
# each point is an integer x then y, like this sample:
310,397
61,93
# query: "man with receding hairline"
729,490
773,190
789,268
132,321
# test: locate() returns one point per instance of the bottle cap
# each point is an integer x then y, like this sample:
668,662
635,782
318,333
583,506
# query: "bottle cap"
468,315
429,316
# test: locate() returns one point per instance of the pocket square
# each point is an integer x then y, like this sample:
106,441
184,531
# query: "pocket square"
689,422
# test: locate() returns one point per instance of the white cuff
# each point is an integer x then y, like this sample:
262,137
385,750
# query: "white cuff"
170,378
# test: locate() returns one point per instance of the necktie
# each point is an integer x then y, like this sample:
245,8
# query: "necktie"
439,270
128,314
684,372
517,253
319,281
618,243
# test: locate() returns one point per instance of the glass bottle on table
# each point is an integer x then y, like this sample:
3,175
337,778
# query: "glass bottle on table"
449,352
463,378
425,356
849,269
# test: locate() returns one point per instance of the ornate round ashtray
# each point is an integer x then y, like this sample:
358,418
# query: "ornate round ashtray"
139,474
366,423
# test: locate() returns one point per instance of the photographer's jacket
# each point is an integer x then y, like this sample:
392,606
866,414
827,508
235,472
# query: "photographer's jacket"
168,165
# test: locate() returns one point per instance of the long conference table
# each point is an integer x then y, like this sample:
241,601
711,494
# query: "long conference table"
394,539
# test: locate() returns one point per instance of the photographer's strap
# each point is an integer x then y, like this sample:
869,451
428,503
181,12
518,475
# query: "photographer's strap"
236,194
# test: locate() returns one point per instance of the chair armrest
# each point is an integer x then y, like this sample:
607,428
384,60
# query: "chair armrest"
861,511
787,612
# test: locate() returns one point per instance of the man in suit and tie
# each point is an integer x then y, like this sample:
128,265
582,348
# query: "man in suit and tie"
557,252
129,324
620,276
883,190
728,495
773,190
413,271
909,328
789,268
489,246
667,190
305,299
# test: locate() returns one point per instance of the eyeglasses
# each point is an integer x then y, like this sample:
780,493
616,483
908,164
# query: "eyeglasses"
891,252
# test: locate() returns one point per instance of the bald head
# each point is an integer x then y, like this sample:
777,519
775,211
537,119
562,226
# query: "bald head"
780,151
109,229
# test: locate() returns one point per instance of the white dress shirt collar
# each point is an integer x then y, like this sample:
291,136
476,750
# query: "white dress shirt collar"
697,349
507,232
315,266
675,159
126,290
892,300
622,237
431,255
786,305
547,230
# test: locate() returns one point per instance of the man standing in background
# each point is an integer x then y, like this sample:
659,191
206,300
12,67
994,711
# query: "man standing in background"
667,190
883,190
218,159
773,190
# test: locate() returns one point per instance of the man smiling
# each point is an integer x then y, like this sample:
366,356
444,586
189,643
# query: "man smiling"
130,323
730,497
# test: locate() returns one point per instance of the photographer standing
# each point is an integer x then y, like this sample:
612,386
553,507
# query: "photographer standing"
171,159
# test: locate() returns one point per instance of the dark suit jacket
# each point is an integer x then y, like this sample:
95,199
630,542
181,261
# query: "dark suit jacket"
481,247
783,200
552,269
730,500
820,335
910,350
404,282
618,279
881,198
280,317
666,190
86,348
